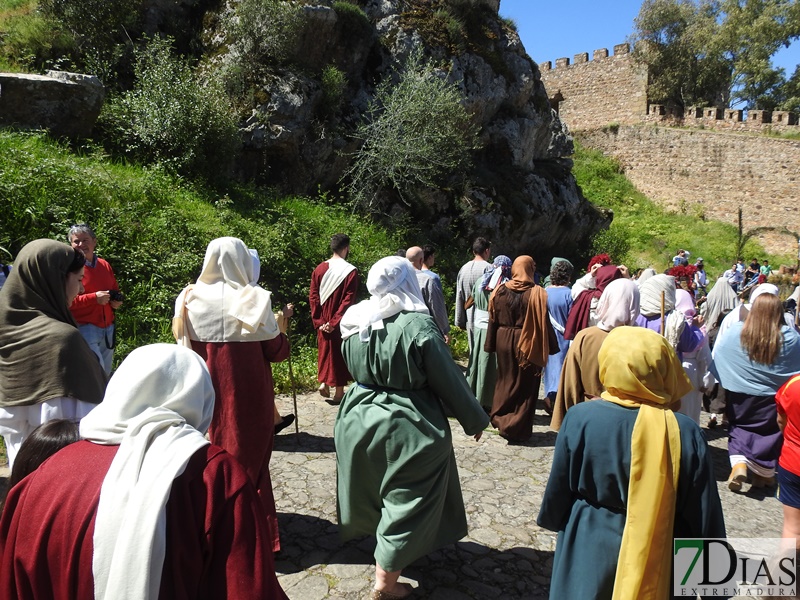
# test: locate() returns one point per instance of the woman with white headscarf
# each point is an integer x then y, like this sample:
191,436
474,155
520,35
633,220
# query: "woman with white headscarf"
228,320
682,338
396,470
145,507
580,378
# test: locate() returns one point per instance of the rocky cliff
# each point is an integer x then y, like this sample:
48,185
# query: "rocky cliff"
518,191
521,192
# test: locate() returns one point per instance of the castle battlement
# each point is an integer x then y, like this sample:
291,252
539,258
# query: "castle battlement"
688,159
724,118
578,59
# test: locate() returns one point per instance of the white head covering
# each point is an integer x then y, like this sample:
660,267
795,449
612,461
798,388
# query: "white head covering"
763,288
157,407
721,298
618,305
684,302
646,274
224,305
651,294
394,288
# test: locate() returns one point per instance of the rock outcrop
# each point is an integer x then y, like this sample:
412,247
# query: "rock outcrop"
521,192
66,104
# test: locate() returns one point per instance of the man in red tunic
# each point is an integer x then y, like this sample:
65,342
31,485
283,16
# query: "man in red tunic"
334,284
144,507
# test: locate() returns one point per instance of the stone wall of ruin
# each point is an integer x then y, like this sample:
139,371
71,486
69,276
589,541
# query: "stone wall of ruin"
721,171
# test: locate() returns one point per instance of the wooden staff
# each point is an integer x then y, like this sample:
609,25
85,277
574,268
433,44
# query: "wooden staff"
285,326
294,389
663,304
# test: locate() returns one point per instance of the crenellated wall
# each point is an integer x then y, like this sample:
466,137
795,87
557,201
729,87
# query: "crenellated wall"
719,158
593,93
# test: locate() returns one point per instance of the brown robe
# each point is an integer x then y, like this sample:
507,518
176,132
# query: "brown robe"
580,376
215,530
517,388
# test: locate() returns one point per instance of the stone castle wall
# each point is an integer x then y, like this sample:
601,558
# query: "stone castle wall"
720,171
718,158
593,93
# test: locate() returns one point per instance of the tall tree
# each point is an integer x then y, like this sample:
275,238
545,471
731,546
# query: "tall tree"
715,52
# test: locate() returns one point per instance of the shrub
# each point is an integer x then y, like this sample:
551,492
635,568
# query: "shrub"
172,118
264,31
333,85
356,22
100,30
416,134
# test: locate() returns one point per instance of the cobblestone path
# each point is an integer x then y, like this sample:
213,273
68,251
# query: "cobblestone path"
505,555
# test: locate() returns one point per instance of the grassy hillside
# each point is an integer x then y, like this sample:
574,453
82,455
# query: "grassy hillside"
153,228
644,234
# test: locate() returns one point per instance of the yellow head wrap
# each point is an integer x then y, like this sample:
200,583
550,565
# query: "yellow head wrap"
639,369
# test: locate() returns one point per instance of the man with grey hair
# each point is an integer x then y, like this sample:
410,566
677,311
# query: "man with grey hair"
94,308
431,289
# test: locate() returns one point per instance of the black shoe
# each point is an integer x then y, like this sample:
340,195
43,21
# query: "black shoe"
287,420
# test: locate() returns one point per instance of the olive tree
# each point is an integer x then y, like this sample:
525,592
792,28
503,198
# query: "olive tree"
416,133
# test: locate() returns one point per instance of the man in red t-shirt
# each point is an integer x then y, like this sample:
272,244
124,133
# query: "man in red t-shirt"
94,309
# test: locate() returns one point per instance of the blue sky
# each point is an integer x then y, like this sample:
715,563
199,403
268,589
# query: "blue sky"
551,30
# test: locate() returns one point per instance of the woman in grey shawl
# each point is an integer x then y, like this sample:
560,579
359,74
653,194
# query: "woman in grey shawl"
47,370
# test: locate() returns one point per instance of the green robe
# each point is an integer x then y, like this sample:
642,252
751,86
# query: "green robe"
587,493
482,369
397,476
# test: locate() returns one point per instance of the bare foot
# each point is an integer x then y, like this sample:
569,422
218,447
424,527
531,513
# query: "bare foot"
394,592
324,390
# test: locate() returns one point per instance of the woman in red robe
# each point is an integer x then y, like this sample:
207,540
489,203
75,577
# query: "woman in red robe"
144,507
229,322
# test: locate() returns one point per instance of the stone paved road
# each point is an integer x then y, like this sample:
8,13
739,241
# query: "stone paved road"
506,555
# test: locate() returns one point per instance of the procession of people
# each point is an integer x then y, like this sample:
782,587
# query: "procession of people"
168,460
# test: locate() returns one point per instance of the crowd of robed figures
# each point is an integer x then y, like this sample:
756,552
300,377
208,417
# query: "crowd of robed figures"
396,473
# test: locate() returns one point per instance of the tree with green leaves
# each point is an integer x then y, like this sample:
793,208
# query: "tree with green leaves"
99,29
715,52
172,117
416,134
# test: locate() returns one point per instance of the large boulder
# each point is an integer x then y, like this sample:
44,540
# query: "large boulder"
66,104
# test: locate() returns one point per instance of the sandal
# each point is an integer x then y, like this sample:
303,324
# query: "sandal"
324,390
287,420
382,595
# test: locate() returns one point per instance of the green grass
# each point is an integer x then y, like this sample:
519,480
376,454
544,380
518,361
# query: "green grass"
645,234
153,228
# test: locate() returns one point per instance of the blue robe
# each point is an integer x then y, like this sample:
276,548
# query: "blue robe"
587,493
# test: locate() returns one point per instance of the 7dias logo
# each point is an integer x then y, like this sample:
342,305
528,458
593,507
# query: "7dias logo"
734,567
